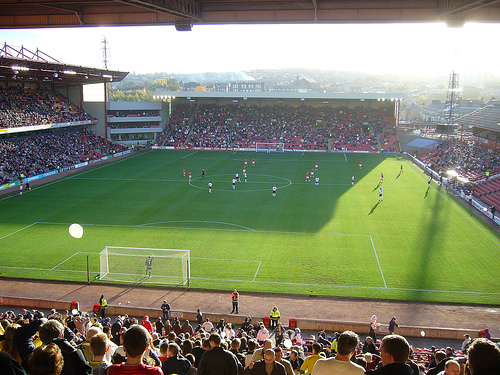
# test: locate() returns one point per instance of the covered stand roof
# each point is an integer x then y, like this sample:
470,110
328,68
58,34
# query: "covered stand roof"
22,65
184,13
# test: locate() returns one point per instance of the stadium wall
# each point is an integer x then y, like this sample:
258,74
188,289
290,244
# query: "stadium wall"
97,110
303,324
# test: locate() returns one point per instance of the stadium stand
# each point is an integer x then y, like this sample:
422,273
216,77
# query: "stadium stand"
300,128
80,326
40,153
19,107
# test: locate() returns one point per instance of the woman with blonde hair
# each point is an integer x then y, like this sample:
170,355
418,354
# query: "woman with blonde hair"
7,345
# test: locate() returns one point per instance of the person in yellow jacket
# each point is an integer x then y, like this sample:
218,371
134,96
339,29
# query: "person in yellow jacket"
275,316
103,304
308,365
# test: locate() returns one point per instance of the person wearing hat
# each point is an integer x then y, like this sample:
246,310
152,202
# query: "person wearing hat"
392,325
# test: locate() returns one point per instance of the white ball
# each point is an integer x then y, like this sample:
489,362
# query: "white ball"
422,333
128,301
287,343
76,230
119,303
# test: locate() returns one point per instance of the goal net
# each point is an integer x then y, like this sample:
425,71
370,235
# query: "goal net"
142,265
270,147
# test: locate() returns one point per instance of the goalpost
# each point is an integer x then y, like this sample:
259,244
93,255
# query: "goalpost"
128,265
270,147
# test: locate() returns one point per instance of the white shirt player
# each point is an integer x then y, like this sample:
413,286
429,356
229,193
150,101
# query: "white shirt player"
234,183
317,181
274,190
210,187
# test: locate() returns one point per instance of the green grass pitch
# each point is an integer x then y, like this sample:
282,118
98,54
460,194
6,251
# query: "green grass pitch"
332,239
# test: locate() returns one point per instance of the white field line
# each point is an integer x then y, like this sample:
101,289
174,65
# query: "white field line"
19,230
64,261
256,272
230,260
41,269
188,155
345,157
351,286
268,282
379,266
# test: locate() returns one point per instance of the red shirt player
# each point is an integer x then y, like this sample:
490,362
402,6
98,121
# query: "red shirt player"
246,162
307,177
316,166
253,162
312,172
184,172
190,176
381,177
360,165
244,169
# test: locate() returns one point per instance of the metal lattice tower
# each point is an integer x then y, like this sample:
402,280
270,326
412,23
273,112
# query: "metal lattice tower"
452,102
105,51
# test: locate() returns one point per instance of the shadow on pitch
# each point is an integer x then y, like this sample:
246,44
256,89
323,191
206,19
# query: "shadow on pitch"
376,187
427,192
374,207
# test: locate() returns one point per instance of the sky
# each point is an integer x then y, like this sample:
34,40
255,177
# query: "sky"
424,49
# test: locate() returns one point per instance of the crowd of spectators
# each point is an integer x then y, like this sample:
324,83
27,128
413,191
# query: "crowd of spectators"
177,128
212,126
469,159
304,127
40,153
81,344
20,107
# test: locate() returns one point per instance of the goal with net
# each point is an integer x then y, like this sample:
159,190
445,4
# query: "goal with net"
143,265
270,147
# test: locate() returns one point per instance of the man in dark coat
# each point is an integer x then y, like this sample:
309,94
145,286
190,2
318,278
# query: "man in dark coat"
266,366
218,361
394,351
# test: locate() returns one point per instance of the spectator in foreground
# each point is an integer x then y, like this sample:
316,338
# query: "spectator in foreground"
394,351
484,357
52,332
452,367
46,360
218,361
98,348
135,342
9,366
175,364
341,364
266,366
310,361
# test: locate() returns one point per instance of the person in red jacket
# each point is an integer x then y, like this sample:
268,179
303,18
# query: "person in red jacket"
146,323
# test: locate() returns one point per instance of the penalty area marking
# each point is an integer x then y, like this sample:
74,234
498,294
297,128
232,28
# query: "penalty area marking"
198,221
254,280
188,155
16,231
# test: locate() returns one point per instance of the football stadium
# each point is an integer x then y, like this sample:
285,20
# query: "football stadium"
323,205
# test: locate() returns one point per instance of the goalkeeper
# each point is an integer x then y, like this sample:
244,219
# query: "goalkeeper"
149,265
